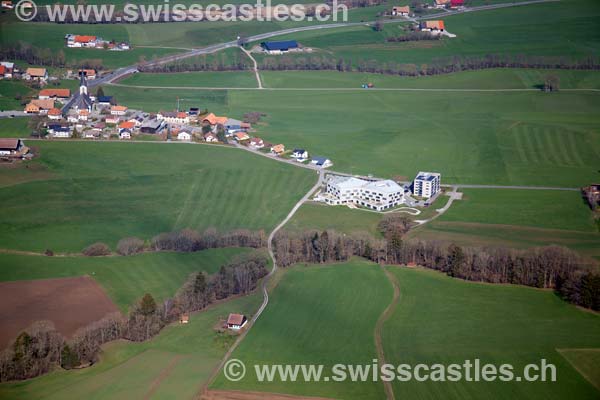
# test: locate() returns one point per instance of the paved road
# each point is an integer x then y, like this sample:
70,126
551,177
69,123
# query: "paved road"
13,113
516,187
121,72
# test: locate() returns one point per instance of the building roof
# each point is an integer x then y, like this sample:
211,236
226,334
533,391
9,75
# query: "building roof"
84,39
55,92
37,72
427,176
88,72
434,25
301,151
349,183
126,125
256,140
12,144
441,2
278,148
118,108
43,104
214,120
54,111
403,9
2,69
241,135
281,45
104,99
235,319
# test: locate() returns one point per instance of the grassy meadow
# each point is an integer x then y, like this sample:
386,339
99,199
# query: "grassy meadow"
444,320
174,364
520,138
317,315
244,79
14,127
75,194
125,279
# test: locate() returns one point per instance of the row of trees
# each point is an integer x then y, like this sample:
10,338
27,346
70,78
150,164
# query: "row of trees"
41,347
44,56
549,267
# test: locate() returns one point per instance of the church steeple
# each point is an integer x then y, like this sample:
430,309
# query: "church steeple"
83,89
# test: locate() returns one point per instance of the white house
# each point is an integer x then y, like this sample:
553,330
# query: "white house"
118,110
173,117
257,143
125,134
426,184
184,136
211,138
321,162
236,321
300,155
376,195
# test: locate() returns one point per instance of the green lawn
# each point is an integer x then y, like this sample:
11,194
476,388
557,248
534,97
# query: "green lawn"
11,89
175,364
106,191
470,137
194,79
14,127
586,361
317,315
444,320
125,279
483,79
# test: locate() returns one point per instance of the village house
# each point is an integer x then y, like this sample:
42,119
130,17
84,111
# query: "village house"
184,136
152,126
136,121
278,149
126,125
432,26
210,138
118,110
112,119
184,319
232,125
376,195
91,134
241,136
104,100
300,155
36,74
56,94
59,131
72,118
257,143
83,115
37,106
89,73
6,69
236,321
212,120
426,184
441,3
54,114
11,147
81,41
321,162
279,47
403,11
173,117
125,134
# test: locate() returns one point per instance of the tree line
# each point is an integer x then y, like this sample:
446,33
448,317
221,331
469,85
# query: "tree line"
550,267
45,57
40,348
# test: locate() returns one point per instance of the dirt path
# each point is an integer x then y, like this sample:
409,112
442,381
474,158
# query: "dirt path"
260,86
162,376
389,391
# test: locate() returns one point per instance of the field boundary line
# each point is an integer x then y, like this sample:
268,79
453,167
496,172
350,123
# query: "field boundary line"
576,368
387,313
164,373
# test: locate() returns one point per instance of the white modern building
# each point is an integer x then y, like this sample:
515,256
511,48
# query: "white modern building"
376,195
426,184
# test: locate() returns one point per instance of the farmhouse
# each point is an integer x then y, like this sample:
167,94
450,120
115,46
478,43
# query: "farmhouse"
184,136
236,321
152,126
61,94
432,26
279,47
300,155
426,184
241,136
173,117
278,149
89,73
36,74
6,69
213,120
81,41
321,162
39,106
441,3
54,114
10,147
376,195
257,143
401,11
210,138
118,110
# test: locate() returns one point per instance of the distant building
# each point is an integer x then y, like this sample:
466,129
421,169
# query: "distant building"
279,47
173,117
89,73
54,114
152,126
426,184
37,106
300,155
401,11
241,136
236,321
62,94
36,74
184,136
432,26
7,69
105,100
118,110
213,120
321,162
82,100
278,149
592,195
376,195
10,147
257,143
441,3
210,138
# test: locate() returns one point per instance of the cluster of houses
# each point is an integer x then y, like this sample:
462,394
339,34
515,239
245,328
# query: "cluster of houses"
377,195
94,42
452,4
8,70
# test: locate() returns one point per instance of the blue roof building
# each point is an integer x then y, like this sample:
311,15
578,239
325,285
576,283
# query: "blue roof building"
280,46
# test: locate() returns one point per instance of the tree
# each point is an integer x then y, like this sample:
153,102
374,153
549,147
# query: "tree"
551,83
147,305
378,27
221,134
455,260
100,92
68,358
200,283
75,134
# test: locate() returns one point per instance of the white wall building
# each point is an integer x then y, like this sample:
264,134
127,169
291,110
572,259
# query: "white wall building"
426,184
376,195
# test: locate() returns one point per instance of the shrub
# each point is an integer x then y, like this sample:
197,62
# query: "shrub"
96,249
129,246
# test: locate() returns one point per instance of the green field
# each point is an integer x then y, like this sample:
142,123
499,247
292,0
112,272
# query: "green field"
125,279
14,127
194,79
175,364
318,316
516,218
519,138
11,89
485,79
107,191
445,320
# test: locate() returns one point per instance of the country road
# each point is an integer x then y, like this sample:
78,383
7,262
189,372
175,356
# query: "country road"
124,71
